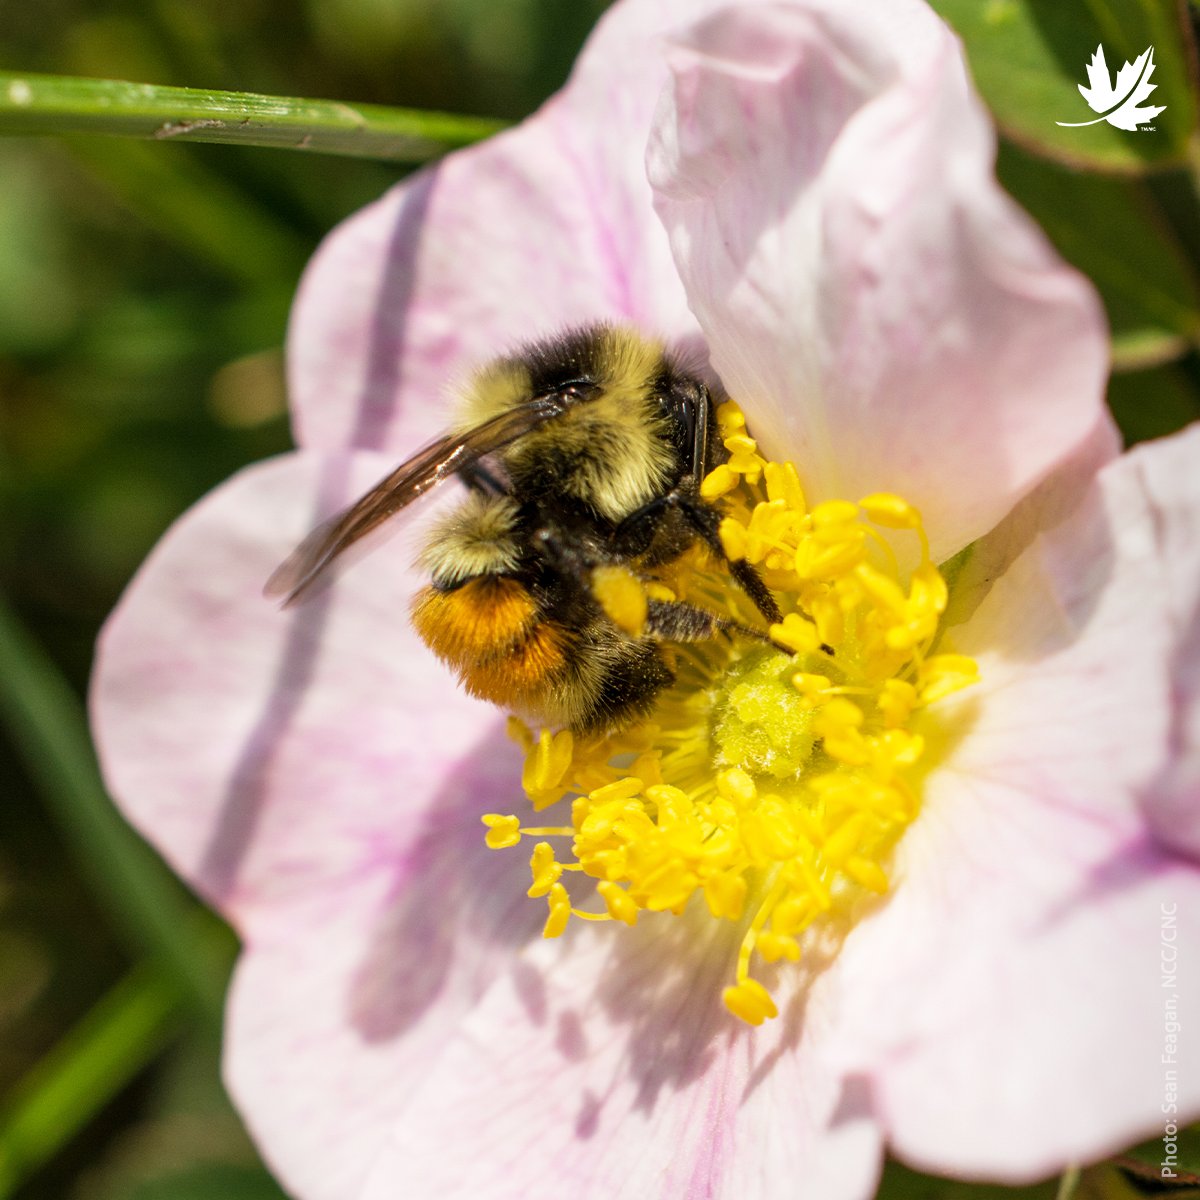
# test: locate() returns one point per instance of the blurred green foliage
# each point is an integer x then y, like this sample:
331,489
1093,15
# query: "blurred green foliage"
144,290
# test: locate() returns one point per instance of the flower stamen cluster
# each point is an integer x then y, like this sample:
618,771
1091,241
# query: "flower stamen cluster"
773,780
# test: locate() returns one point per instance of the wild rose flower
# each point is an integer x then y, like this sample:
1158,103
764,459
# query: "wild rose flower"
820,218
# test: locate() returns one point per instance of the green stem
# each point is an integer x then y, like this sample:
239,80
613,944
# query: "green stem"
50,731
124,1033
67,104
1068,1183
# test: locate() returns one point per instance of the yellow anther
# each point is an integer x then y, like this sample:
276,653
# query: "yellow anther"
733,539
750,1001
741,443
667,887
944,664
730,418
668,798
767,834
945,673
744,458
766,530
849,747
725,895
844,840
828,613
616,900
810,686
928,589
749,466
784,484
775,946
560,911
897,699
839,714
912,633
890,511
833,513
795,633
546,765
502,831
828,557
812,883
883,590
868,873
718,482
648,769
658,591
620,593
736,786
619,789
808,825
899,748
545,871
792,914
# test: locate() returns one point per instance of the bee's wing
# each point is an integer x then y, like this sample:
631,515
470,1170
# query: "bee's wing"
297,575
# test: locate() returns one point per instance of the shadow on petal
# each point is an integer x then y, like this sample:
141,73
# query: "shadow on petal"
245,797
249,784
377,407
454,903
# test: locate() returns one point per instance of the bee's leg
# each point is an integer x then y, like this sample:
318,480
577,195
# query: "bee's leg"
637,532
706,521
678,621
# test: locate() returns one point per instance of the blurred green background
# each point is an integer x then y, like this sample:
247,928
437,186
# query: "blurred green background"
144,290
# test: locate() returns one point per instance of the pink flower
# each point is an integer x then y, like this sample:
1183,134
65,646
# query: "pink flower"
821,217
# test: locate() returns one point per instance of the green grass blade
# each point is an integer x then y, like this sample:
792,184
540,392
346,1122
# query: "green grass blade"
48,727
82,1074
67,104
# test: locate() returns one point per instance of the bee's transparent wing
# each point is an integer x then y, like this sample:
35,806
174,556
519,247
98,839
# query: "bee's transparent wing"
298,575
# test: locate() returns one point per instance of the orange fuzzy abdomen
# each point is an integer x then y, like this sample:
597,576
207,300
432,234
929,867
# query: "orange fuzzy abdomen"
475,621
492,631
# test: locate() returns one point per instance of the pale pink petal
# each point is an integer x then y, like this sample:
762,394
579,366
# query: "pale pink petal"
883,311
271,753
1050,503
605,1065
1022,1018
1167,470
341,1007
320,777
545,227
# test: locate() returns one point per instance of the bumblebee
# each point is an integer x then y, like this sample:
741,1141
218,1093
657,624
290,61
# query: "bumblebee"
580,454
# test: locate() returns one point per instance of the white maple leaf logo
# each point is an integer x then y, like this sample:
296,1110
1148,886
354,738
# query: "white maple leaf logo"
1119,102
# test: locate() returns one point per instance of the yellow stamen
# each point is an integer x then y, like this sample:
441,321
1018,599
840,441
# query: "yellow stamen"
719,482
545,871
773,780
560,912
750,1001
503,831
